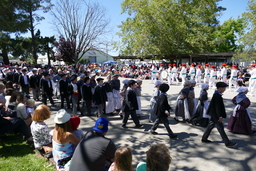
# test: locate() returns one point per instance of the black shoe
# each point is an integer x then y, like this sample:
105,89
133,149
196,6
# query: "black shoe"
150,121
153,132
138,126
206,141
121,116
173,136
177,120
124,126
231,144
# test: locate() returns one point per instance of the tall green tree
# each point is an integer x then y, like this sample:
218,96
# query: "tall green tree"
248,53
227,34
168,26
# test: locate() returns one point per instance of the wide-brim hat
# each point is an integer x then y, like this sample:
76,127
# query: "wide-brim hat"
101,125
62,117
164,87
46,73
221,84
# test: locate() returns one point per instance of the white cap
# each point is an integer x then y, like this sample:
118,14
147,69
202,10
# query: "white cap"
157,82
242,89
62,117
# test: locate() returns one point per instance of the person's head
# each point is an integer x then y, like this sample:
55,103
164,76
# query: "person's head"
205,86
24,71
75,122
41,113
157,83
14,96
192,83
115,76
8,91
92,76
242,89
46,75
125,81
109,77
2,87
73,78
164,87
101,126
21,98
87,80
187,83
221,86
131,83
139,82
100,81
123,159
9,84
31,102
64,76
158,158
62,124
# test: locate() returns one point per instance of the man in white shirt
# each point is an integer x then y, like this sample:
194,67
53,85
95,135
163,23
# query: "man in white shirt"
206,74
252,81
183,74
174,74
233,77
223,73
198,75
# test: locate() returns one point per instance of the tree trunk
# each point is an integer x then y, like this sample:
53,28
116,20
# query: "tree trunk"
5,56
32,30
48,54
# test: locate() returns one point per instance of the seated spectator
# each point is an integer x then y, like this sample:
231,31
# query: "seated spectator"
158,158
39,129
13,100
75,122
30,106
21,109
8,124
8,95
95,152
63,139
123,160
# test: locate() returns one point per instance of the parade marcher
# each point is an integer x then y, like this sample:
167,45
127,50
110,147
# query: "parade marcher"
170,81
122,93
74,90
137,91
201,118
110,103
233,77
24,81
224,73
92,82
240,120
64,94
206,74
191,98
192,72
198,75
34,82
17,75
10,75
115,85
153,73
87,97
56,80
181,109
47,89
161,69
252,80
213,76
100,97
130,105
175,74
183,74
153,100
162,110
217,112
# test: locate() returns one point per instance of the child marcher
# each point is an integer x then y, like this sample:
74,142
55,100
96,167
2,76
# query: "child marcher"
163,111
87,97
138,95
153,100
100,97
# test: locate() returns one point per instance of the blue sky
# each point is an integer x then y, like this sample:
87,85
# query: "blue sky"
234,9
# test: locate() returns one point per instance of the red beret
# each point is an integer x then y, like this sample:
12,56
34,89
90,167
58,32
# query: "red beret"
213,66
206,64
253,65
169,64
161,64
199,66
75,121
183,64
174,64
224,64
192,64
234,66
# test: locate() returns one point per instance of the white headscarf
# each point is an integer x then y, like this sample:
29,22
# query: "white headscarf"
204,86
242,89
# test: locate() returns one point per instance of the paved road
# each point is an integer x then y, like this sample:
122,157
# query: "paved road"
187,151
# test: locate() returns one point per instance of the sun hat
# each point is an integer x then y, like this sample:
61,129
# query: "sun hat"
164,87
242,89
157,82
62,117
221,84
125,81
101,125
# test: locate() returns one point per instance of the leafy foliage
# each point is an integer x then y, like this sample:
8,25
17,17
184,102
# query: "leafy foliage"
65,50
168,26
248,53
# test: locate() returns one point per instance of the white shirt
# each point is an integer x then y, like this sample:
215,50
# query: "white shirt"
223,72
25,79
74,86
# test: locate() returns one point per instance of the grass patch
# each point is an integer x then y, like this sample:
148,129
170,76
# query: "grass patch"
18,155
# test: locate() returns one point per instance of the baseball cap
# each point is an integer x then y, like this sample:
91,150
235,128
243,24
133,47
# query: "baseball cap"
101,125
